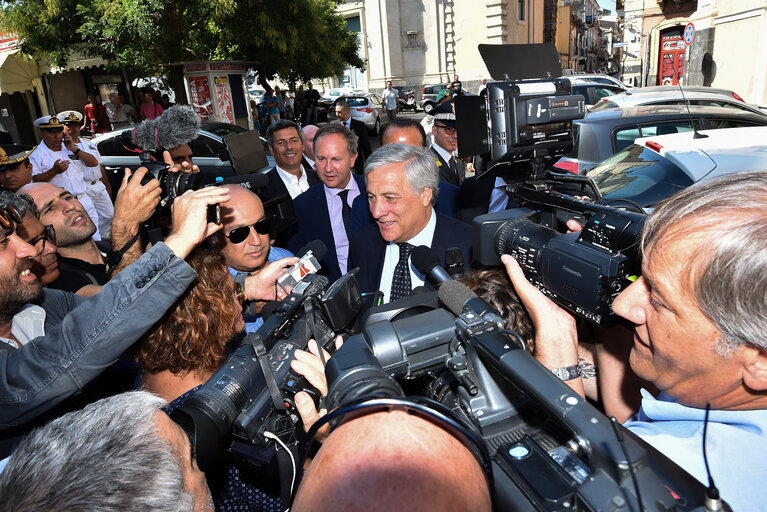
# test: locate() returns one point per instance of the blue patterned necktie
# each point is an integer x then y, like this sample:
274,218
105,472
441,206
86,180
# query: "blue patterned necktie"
400,283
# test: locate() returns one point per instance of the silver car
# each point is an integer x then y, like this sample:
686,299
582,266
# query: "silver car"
365,107
672,95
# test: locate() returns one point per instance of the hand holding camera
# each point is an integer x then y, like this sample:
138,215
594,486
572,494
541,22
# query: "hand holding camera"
190,218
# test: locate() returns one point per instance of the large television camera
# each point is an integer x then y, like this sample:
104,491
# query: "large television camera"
524,126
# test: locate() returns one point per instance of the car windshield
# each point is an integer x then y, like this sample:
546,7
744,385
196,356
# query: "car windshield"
639,175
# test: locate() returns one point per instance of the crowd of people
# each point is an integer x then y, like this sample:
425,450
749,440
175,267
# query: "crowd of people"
102,336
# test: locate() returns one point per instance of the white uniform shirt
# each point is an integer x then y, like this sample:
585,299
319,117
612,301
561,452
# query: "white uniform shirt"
90,174
43,159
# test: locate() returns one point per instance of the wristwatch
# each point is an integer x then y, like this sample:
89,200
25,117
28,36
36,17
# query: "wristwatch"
567,373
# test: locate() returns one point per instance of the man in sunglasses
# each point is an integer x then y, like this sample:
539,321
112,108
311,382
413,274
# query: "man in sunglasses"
451,169
83,336
245,244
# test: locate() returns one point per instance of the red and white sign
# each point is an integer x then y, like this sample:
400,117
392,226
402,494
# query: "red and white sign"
8,41
224,100
689,34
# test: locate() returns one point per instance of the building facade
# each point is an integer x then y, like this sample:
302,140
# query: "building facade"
728,50
419,42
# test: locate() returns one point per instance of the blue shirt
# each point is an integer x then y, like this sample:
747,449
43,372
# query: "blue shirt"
252,323
736,446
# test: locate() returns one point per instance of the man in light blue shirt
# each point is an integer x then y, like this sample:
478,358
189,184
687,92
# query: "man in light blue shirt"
700,333
245,244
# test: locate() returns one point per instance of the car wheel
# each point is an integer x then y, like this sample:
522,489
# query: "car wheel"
377,127
428,107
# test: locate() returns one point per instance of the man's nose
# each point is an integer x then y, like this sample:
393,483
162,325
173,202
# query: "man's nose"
631,302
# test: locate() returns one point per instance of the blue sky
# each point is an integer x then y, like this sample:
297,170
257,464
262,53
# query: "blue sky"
607,4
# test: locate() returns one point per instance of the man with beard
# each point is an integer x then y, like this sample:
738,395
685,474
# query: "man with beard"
43,238
82,264
84,335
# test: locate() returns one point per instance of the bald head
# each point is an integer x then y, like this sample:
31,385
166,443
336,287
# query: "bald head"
392,461
243,210
309,132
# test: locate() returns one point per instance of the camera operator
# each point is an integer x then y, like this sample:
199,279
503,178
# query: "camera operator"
85,335
392,461
698,310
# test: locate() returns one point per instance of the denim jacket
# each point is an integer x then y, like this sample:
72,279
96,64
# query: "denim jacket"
85,335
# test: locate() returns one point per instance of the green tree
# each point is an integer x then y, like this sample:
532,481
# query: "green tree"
298,39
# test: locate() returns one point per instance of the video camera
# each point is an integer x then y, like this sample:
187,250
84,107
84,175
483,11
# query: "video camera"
525,125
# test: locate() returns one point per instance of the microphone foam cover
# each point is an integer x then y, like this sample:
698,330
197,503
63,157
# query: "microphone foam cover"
424,259
454,295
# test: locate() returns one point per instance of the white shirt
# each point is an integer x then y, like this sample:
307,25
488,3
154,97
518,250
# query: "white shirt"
294,185
311,162
391,258
337,220
43,159
442,152
90,174
26,325
390,98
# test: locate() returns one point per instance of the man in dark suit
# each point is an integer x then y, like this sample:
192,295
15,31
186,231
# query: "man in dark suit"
481,195
402,186
287,177
324,211
451,169
343,113
307,161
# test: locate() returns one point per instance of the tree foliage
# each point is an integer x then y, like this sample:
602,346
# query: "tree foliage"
297,39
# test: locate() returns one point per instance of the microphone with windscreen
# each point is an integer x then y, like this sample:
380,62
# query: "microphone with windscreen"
178,125
309,255
454,263
427,263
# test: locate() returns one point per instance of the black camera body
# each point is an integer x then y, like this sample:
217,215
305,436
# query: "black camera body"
583,271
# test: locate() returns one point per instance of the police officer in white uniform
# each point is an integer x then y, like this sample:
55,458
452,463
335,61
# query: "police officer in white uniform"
96,181
58,160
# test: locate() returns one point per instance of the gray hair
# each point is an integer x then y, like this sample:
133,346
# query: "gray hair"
107,456
420,166
729,266
281,124
22,202
335,128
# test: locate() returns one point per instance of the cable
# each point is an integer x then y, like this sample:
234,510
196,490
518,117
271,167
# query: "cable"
269,435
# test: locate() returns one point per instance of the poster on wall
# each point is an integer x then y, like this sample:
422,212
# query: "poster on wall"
199,91
224,100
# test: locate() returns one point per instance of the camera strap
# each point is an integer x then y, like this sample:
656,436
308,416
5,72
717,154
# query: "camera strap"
271,383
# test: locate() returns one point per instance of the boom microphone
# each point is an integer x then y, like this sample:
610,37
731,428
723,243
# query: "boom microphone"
427,263
176,126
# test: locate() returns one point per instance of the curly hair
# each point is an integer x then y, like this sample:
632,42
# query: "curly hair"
494,286
193,333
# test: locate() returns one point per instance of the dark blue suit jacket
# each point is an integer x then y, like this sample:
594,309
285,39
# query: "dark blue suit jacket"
367,248
313,222
276,187
474,197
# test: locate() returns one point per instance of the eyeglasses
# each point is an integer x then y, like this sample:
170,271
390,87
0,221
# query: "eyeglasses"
449,130
239,235
9,218
48,235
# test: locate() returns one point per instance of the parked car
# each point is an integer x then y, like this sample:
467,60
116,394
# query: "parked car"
364,107
337,92
429,96
597,78
593,91
209,152
655,168
671,95
605,132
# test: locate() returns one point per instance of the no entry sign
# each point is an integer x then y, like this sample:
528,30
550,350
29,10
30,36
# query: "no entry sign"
689,34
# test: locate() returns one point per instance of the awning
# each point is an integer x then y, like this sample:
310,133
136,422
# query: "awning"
76,62
17,72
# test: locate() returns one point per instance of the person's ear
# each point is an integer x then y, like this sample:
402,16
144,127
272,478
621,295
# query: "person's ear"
754,368
425,196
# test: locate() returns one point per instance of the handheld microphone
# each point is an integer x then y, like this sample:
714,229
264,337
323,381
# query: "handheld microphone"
309,255
176,126
459,299
427,263
454,263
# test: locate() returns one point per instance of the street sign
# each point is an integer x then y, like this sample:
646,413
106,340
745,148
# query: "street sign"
619,44
689,34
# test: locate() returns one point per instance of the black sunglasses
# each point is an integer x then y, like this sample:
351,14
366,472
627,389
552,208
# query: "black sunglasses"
9,218
238,235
